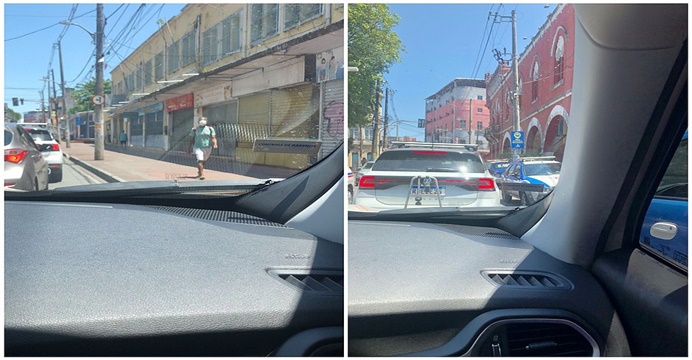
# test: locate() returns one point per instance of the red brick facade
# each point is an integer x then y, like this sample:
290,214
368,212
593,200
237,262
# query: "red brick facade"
545,83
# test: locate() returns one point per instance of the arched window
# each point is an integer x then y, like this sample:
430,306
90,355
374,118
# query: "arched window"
534,82
559,56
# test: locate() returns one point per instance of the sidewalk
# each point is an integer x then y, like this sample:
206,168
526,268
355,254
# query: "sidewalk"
117,167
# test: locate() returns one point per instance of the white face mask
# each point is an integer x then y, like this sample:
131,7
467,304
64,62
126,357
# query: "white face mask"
203,123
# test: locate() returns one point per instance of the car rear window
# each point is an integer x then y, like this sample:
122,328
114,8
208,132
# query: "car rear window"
429,161
8,137
39,135
541,169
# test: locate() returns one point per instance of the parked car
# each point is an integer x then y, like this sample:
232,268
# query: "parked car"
364,170
540,173
497,167
53,153
665,226
25,166
351,184
425,175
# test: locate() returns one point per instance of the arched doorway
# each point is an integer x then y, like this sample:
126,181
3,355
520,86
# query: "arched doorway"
555,137
533,142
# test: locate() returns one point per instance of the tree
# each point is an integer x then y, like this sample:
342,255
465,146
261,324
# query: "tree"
11,115
84,92
373,48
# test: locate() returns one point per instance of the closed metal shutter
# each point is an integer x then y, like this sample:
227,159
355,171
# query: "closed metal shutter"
182,122
332,116
253,123
224,119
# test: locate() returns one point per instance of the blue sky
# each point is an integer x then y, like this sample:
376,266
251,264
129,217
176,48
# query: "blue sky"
31,30
446,41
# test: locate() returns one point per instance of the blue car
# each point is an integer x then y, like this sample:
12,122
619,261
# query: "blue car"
529,179
664,231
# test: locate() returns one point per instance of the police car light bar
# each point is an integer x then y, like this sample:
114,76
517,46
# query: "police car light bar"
417,144
538,158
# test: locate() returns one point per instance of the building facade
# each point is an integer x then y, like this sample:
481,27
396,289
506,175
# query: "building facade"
457,113
258,72
545,91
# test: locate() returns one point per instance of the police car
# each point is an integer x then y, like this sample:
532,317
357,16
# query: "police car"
529,179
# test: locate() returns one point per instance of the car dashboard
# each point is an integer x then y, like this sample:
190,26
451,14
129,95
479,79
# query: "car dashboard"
100,279
420,289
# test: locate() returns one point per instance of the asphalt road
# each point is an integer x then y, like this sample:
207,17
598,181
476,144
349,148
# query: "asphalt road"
74,174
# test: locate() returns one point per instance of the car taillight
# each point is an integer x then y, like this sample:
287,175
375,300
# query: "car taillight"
486,184
15,155
367,182
55,147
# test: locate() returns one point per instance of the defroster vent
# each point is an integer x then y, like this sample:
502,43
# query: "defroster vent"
532,280
326,282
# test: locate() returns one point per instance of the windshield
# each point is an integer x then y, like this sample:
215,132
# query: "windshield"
234,99
541,169
455,102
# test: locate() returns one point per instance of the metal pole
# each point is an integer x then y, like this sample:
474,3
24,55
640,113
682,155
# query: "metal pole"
375,130
99,146
64,107
386,117
55,99
515,70
50,104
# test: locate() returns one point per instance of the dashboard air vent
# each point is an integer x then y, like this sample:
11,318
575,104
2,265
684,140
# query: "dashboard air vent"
546,339
324,282
527,280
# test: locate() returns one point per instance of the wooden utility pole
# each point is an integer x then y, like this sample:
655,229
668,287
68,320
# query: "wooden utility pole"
99,141
64,107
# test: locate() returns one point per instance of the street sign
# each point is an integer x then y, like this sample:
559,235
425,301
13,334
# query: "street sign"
517,139
98,99
78,121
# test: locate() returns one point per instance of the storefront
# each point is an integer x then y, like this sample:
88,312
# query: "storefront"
182,120
221,111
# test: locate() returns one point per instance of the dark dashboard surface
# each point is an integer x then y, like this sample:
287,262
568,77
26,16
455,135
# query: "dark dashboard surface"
422,289
100,279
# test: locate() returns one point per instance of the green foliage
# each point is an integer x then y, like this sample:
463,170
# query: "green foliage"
373,48
11,115
84,92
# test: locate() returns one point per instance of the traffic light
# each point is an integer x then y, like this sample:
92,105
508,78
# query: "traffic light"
15,102
22,101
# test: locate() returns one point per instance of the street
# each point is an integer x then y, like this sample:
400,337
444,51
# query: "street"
74,174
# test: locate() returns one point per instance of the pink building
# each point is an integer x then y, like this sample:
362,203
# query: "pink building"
545,91
457,113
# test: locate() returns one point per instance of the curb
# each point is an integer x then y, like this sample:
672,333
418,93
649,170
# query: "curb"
96,171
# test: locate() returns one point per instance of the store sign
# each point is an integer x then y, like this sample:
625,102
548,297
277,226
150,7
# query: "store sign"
214,95
287,146
181,102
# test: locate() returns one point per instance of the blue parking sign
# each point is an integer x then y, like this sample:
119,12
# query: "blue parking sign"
78,121
517,139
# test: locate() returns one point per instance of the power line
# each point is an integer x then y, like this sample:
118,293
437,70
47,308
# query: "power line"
31,33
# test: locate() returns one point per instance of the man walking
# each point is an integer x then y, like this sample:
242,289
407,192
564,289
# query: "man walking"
123,138
202,141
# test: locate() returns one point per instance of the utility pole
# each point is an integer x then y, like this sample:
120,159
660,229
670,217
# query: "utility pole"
470,120
515,70
375,128
386,117
55,99
64,107
43,107
50,103
99,145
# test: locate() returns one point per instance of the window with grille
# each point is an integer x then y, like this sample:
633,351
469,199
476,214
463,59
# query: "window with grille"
296,14
264,22
158,66
230,34
173,57
147,72
188,53
210,45
479,125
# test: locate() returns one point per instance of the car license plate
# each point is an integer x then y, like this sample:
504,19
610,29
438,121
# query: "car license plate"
415,190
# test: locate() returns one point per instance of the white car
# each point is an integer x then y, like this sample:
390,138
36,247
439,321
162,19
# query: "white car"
364,170
427,175
54,156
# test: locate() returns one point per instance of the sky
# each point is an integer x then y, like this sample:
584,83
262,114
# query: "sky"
31,30
446,41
